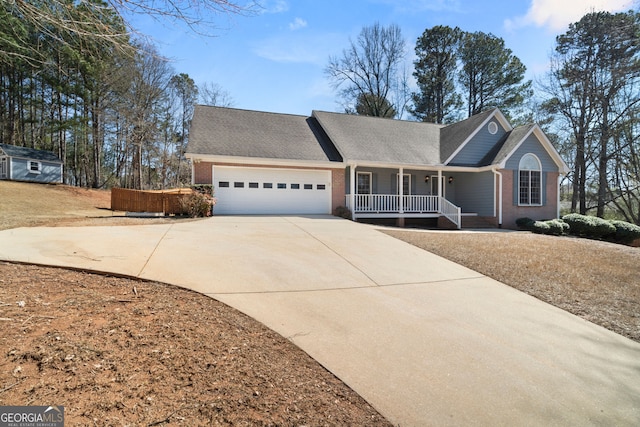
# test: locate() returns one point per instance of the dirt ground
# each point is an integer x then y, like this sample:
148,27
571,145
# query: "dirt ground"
121,352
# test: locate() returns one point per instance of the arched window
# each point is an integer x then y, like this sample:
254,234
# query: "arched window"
530,173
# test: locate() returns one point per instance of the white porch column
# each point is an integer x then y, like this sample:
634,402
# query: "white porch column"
352,190
401,190
439,188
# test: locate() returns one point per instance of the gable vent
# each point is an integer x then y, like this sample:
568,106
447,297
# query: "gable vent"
492,128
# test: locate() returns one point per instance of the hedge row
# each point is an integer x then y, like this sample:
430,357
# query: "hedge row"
584,226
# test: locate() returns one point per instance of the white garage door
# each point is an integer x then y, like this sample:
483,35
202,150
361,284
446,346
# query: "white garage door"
271,191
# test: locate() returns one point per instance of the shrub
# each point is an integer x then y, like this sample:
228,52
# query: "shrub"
342,212
197,205
525,223
540,227
625,231
206,189
557,227
589,226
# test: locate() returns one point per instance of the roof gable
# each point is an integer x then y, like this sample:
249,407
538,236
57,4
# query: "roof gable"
243,133
520,136
30,153
454,138
379,140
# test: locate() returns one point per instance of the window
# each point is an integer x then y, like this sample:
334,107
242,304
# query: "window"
530,177
238,184
321,186
267,185
363,183
308,186
223,184
35,167
406,184
281,185
253,185
295,186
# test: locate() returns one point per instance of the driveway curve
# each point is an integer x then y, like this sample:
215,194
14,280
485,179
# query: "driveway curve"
424,340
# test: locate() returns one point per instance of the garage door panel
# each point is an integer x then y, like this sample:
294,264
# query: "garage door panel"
272,191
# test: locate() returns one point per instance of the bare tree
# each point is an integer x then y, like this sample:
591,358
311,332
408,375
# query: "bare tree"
593,88
212,94
62,20
369,71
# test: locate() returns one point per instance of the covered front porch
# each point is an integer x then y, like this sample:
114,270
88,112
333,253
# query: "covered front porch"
403,206
409,192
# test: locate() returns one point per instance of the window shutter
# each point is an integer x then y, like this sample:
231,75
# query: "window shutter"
543,183
516,188
374,184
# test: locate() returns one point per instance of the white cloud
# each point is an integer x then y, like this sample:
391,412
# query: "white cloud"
297,24
557,15
273,6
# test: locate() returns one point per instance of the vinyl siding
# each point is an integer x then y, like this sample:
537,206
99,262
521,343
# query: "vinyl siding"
478,147
532,145
50,173
474,192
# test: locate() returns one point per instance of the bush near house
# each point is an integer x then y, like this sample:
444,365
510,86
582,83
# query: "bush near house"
200,203
525,223
553,227
342,212
626,232
589,226
584,226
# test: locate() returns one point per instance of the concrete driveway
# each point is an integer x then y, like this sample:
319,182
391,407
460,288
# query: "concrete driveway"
424,340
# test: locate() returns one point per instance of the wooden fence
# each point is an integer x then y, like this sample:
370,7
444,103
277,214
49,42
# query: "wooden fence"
165,201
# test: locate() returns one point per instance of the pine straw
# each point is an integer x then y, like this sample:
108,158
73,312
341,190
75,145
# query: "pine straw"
597,281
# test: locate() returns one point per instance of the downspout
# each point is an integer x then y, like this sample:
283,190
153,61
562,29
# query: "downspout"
495,171
558,195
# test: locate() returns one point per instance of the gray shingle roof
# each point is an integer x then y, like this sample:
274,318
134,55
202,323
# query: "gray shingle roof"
244,133
508,143
454,135
30,153
329,137
373,139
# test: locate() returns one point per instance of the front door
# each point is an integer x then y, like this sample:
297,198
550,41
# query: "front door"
406,191
434,186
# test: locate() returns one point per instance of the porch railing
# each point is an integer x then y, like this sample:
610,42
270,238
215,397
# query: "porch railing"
452,212
408,204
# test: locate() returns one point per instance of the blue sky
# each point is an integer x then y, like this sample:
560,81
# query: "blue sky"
274,60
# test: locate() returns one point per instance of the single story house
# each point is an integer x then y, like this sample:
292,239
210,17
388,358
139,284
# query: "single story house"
27,164
478,171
